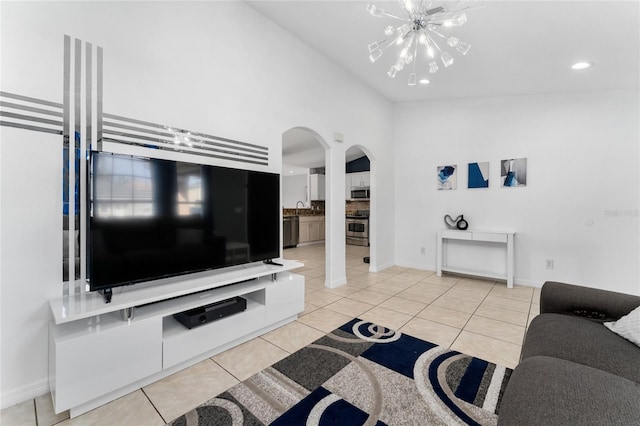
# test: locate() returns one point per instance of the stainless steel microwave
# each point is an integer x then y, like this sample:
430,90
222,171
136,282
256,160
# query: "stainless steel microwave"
362,193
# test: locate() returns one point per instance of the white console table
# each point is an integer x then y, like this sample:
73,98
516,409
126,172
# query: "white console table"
485,236
96,355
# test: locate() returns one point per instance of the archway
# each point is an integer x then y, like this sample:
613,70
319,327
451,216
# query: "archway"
361,206
305,195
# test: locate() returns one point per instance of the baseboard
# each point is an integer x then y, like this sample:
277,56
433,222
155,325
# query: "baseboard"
380,268
420,266
24,393
335,283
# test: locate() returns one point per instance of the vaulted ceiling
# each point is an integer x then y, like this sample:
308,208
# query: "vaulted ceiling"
517,47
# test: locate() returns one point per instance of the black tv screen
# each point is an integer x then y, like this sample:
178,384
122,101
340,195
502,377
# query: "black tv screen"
152,218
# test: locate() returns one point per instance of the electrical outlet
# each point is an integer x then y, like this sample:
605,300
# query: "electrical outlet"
423,250
549,263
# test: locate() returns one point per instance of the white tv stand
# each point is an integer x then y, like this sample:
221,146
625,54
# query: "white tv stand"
97,355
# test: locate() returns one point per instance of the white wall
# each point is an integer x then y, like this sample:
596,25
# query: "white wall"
583,161
214,67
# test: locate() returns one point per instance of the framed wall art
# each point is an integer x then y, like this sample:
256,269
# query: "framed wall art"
447,177
478,176
513,172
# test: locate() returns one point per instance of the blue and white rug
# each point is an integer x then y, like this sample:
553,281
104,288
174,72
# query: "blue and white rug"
362,374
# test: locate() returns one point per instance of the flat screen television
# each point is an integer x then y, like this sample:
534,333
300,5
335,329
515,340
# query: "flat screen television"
152,218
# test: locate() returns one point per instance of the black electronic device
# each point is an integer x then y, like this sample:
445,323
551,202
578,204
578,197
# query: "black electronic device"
205,314
151,218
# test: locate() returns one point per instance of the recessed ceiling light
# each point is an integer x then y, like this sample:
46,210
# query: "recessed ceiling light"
290,171
581,65
424,81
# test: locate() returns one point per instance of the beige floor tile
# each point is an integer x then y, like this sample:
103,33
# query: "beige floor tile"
487,348
131,409
445,316
500,314
188,388
440,334
350,307
467,294
342,291
372,277
368,296
536,296
249,358
456,304
321,298
20,414
314,283
293,336
308,308
325,320
405,279
385,288
402,305
517,292
497,329
44,411
419,273
506,303
475,283
386,317
426,288
443,280
535,309
396,269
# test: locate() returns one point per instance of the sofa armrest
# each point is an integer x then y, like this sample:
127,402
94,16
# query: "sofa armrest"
602,305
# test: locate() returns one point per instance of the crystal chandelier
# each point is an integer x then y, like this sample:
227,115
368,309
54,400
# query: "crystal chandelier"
423,22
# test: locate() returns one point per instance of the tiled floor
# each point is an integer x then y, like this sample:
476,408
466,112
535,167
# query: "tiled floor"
477,317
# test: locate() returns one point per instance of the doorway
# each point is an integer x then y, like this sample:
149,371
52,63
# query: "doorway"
304,196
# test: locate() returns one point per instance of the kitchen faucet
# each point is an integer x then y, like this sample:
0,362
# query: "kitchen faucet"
298,202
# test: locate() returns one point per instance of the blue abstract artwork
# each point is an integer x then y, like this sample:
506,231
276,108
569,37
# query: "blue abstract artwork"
513,172
478,176
447,177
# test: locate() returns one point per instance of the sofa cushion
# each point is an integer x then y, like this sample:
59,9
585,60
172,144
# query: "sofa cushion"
583,341
551,391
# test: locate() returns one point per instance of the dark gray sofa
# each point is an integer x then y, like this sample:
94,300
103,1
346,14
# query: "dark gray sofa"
574,370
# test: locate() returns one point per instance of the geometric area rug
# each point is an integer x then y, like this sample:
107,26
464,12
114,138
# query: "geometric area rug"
362,374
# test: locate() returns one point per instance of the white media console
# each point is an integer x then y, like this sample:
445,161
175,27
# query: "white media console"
99,352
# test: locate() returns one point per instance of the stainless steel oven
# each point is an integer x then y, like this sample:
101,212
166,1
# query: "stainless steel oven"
357,229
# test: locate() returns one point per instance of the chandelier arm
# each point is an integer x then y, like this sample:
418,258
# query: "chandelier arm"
390,15
433,42
439,34
415,56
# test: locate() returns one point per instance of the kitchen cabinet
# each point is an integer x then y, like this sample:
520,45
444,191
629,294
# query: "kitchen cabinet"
316,187
360,179
355,180
294,189
311,229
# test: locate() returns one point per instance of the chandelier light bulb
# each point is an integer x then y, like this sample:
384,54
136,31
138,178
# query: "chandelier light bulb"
375,55
446,59
375,10
422,21
458,21
463,48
